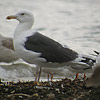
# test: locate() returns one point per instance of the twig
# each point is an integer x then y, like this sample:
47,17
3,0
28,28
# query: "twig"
19,94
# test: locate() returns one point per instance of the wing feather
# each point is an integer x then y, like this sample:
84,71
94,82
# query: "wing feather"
51,50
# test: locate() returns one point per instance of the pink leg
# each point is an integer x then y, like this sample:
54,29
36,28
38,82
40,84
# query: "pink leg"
77,76
39,73
84,76
51,77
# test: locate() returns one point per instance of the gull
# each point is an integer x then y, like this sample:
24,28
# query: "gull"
94,80
7,52
36,48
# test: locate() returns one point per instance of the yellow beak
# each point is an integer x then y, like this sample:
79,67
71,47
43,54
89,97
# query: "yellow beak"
11,17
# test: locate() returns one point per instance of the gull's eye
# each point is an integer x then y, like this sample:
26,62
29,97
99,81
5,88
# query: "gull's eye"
22,14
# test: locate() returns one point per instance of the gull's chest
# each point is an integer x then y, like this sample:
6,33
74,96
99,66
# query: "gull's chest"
27,55
20,39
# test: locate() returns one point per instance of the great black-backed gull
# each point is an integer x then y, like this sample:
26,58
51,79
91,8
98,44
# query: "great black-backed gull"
7,53
35,48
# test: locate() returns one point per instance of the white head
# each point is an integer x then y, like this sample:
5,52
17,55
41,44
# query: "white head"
22,16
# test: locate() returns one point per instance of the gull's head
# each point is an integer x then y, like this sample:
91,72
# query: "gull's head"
22,16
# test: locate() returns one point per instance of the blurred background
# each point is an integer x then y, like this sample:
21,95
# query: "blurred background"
75,23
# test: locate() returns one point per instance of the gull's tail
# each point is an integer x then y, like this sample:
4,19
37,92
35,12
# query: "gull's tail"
83,63
88,60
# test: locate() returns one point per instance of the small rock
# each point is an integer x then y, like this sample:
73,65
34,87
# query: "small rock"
36,95
51,95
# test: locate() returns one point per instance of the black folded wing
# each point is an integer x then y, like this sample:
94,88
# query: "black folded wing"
51,50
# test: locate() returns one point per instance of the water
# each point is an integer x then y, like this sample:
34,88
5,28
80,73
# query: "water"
75,23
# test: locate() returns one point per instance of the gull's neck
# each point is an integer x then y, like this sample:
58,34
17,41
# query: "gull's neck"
21,27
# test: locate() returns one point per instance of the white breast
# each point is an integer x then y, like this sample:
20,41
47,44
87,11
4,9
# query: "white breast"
27,55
